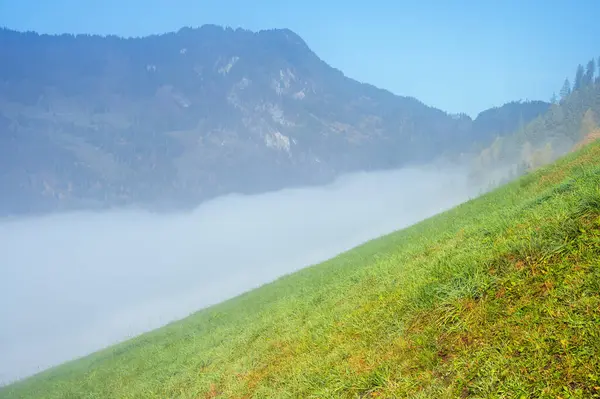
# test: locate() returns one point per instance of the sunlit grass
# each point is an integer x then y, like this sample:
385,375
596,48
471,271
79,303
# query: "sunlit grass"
497,298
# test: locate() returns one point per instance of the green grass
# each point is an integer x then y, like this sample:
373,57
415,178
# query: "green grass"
496,298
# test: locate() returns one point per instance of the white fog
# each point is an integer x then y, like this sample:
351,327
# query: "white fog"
73,283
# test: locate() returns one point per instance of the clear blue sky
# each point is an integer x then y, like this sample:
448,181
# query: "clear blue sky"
461,55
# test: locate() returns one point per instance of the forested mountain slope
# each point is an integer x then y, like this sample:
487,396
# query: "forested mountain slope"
570,122
169,120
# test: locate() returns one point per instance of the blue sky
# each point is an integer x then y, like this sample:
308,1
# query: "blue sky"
461,55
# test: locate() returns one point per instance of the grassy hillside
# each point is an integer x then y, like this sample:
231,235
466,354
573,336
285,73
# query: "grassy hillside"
497,298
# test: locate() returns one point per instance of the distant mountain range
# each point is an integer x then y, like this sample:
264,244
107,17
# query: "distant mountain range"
169,120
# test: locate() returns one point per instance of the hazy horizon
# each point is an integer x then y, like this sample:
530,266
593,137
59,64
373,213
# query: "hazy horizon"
81,281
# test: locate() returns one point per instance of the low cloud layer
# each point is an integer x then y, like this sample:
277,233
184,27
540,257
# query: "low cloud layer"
71,284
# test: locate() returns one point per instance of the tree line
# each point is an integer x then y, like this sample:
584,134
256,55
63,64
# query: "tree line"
584,77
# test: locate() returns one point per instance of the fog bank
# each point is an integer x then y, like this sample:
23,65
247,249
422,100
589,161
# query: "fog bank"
73,283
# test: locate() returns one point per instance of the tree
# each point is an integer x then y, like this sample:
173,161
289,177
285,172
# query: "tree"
553,99
588,123
496,149
588,78
541,156
526,153
566,89
579,76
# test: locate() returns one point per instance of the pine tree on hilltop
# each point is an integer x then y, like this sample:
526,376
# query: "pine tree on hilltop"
588,78
566,89
579,78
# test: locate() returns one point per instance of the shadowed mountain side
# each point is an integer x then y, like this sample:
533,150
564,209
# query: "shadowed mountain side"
169,120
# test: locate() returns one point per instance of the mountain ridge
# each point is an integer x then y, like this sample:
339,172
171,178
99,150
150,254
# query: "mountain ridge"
173,119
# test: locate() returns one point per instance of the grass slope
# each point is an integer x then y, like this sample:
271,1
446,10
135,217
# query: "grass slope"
496,298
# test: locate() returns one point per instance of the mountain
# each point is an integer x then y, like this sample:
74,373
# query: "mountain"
169,120
506,119
567,125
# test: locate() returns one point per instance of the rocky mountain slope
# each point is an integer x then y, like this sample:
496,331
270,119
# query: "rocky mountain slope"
170,120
